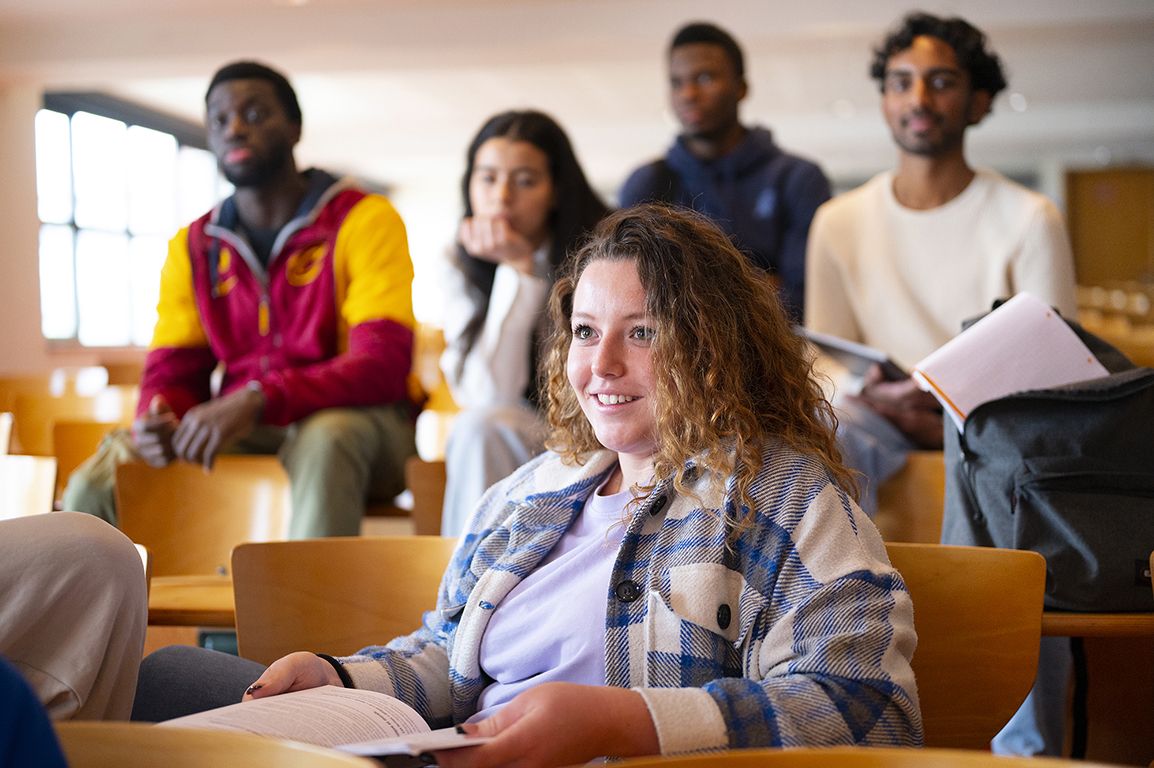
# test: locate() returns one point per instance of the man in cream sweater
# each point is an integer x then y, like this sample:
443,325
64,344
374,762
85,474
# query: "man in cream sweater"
901,261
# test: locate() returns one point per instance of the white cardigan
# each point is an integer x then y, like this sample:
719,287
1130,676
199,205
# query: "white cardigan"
496,370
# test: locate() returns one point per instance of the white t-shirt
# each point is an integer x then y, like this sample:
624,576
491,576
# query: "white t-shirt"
903,280
551,626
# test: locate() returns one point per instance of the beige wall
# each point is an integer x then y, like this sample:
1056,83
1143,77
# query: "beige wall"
22,348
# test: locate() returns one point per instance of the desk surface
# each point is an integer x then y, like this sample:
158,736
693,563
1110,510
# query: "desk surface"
1058,624
193,601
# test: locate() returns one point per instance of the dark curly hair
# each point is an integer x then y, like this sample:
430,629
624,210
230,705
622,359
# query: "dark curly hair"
734,374
968,42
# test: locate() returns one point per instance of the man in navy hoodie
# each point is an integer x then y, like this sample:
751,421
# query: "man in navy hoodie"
734,174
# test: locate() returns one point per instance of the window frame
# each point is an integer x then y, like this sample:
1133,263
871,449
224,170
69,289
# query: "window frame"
186,132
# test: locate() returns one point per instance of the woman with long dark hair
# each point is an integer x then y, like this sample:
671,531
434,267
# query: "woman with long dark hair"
527,204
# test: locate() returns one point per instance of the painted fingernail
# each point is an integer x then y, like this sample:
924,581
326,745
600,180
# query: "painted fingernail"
254,687
426,758
460,729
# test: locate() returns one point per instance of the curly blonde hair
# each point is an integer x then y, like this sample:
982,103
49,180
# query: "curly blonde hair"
734,374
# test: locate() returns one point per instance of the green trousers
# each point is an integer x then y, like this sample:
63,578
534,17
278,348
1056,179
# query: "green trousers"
336,459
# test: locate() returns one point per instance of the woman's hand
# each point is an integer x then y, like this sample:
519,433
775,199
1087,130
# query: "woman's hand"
556,724
493,239
294,672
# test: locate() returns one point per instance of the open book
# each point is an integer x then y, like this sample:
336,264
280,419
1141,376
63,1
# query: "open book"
1021,345
351,720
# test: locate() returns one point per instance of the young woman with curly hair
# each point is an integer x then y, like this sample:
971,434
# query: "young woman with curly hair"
684,570
734,373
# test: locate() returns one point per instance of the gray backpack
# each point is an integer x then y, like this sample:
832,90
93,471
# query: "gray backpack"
1067,473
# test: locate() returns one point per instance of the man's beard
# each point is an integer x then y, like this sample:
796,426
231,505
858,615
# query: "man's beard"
260,174
947,141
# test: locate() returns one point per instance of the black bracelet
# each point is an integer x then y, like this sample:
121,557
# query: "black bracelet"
346,681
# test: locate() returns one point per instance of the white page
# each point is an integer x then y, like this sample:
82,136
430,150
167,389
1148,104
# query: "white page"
324,716
415,743
1023,344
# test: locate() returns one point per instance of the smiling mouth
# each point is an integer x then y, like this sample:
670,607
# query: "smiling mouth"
615,399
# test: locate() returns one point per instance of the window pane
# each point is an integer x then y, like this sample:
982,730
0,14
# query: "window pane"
57,287
101,266
223,187
100,173
196,184
151,182
53,168
145,258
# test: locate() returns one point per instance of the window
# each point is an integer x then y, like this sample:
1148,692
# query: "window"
112,187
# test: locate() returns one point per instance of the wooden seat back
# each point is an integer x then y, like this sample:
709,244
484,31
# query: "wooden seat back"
36,412
191,520
910,504
335,595
426,481
849,757
73,442
88,744
978,615
27,485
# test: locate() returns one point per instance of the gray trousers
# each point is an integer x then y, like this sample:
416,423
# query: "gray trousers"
336,459
181,680
869,444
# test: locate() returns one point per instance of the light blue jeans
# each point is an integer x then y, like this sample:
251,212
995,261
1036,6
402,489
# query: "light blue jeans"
871,445
1039,726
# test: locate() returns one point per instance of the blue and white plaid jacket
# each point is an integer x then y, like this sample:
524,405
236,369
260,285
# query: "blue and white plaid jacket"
798,633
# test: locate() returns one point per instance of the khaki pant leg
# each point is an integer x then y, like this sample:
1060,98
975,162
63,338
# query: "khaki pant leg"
92,486
339,457
73,612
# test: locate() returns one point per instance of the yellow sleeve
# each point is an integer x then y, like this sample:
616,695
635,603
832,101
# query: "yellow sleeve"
373,269
178,324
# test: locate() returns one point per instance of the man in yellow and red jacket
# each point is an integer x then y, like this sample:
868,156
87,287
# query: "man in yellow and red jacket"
299,286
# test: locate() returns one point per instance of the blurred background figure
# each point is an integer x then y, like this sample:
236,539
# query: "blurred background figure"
527,203
736,175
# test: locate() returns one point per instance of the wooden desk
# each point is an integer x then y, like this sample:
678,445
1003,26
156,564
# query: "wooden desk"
191,601
1115,648
99,744
1060,624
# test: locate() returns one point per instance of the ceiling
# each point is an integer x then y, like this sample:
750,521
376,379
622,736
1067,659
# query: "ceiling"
394,89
